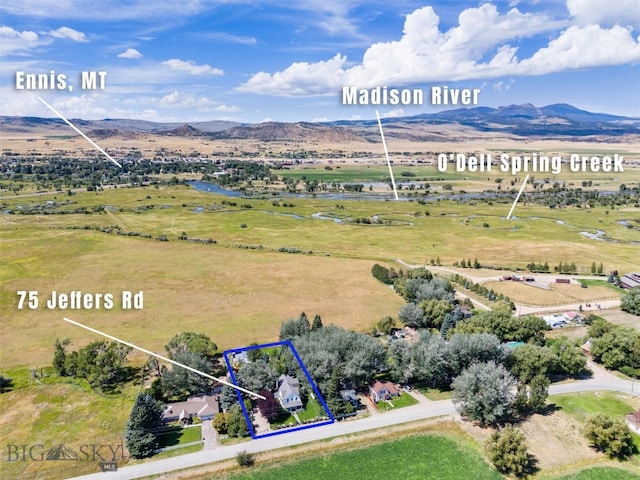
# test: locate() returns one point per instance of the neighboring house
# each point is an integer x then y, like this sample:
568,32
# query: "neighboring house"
571,316
586,348
383,391
351,397
630,280
555,321
466,311
410,334
205,407
289,393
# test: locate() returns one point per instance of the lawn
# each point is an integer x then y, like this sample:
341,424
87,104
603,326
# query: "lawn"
312,410
418,457
404,400
581,406
438,393
601,473
177,435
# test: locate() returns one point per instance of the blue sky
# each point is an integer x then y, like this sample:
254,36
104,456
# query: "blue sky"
257,60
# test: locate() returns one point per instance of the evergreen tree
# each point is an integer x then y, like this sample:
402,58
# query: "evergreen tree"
507,450
145,416
60,355
600,269
236,422
317,323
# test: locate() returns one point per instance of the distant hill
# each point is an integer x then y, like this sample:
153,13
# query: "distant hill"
526,120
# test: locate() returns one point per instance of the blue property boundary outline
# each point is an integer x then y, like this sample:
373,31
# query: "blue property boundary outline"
314,387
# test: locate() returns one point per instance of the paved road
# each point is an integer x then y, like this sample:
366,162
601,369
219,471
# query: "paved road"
600,381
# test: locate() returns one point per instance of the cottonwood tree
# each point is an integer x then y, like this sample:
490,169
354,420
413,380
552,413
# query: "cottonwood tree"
630,301
411,315
257,375
484,392
179,383
527,361
463,350
197,343
429,359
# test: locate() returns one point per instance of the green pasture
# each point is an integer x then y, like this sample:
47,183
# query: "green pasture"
419,457
601,473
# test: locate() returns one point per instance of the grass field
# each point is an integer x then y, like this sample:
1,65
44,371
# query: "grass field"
420,458
601,473
404,400
557,294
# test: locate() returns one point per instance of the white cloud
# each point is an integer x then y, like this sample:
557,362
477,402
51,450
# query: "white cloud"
320,119
605,12
130,53
476,48
230,38
70,33
398,112
13,41
190,67
583,47
188,100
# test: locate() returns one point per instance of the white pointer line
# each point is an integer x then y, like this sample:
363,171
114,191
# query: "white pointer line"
386,153
78,130
219,380
526,179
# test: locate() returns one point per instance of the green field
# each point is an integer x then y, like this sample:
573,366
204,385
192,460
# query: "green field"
420,458
240,289
404,400
601,473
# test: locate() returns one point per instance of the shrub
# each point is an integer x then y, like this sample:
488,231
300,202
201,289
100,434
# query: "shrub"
245,459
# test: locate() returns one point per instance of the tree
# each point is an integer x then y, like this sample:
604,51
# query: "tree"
5,383
179,383
507,328
197,343
219,423
228,397
144,417
411,315
236,422
269,407
385,325
434,312
257,375
295,328
484,392
631,301
60,355
507,450
465,349
527,361
317,323
609,435
380,273
429,359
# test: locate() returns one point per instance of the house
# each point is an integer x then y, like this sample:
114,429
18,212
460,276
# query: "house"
383,391
555,321
351,397
411,335
571,316
289,393
586,348
466,311
205,407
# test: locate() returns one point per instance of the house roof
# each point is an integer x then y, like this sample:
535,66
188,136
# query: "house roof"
289,391
379,386
204,405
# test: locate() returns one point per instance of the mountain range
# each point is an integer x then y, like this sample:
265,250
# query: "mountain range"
526,120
